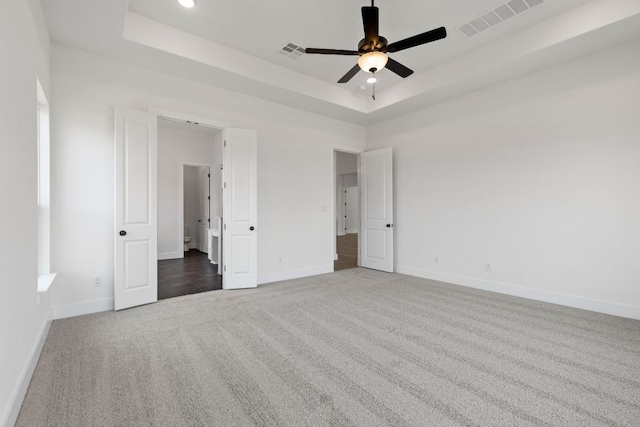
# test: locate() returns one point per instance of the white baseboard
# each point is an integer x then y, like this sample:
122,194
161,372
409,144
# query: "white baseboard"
599,306
79,309
354,231
170,255
20,391
294,274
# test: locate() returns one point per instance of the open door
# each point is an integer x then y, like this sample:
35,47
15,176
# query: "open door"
136,248
239,210
204,218
376,225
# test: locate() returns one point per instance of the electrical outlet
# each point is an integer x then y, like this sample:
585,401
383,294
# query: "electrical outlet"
488,266
436,259
97,281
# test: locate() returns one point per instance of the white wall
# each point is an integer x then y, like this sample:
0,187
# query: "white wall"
177,144
24,55
295,181
346,163
538,176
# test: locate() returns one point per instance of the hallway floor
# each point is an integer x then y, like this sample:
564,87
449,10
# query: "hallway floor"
347,248
189,275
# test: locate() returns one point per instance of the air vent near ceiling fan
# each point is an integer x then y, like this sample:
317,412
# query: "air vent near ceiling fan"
292,51
496,15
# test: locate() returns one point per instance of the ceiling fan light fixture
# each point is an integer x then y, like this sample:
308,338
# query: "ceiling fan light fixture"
373,61
187,3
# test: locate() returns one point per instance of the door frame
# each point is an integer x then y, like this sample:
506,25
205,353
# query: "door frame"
333,218
181,199
199,121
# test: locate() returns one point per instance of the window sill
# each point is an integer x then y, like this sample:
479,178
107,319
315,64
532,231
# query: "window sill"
44,283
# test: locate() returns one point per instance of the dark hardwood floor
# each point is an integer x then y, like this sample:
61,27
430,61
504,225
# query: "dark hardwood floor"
189,275
347,247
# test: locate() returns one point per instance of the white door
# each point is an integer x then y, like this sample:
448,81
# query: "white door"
239,210
376,236
203,215
136,248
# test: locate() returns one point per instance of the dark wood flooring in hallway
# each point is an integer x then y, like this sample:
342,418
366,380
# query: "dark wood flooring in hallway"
189,275
347,247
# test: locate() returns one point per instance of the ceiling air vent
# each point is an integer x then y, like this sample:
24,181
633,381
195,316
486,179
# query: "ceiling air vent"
292,51
496,15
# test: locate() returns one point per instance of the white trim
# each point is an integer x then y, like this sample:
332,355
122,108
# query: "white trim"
599,306
171,255
21,387
294,274
44,282
182,117
82,308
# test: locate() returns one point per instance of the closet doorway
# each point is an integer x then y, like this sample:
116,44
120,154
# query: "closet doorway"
347,210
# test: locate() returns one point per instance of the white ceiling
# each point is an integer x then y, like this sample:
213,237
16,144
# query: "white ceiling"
236,45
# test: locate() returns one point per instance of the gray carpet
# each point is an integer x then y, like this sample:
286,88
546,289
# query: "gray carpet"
352,348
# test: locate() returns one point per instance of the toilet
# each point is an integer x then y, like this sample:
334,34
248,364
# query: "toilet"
187,239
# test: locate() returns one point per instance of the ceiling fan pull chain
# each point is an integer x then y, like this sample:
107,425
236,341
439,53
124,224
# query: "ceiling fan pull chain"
374,89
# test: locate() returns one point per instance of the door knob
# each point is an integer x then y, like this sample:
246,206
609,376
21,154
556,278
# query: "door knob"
388,225
123,233
252,228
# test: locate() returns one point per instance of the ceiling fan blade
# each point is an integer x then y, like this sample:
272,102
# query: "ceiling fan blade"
352,72
370,19
428,37
330,51
398,68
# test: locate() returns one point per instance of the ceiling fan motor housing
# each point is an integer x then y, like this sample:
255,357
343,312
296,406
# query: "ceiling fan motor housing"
366,47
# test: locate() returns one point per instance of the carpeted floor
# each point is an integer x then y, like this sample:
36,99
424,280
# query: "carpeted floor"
353,348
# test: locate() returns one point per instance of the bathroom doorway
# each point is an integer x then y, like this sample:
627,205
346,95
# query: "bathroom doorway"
187,208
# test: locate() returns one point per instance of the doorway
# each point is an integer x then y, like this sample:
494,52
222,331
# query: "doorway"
347,210
186,204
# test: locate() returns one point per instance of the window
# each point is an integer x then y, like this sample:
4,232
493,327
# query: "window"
45,277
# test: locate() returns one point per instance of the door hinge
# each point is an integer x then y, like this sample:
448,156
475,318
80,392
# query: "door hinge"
225,226
208,197
225,268
208,219
208,175
225,185
225,142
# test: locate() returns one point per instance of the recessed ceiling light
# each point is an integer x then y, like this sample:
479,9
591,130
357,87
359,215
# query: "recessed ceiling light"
187,3
372,80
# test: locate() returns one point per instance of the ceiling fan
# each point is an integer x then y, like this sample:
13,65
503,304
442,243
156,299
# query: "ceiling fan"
373,48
